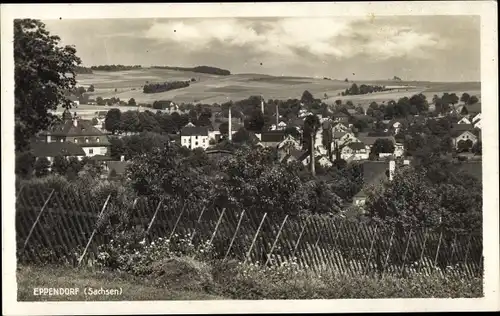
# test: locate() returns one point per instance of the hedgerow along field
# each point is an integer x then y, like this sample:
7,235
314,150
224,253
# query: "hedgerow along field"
211,89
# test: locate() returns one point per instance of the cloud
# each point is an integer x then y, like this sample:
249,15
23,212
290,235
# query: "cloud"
340,38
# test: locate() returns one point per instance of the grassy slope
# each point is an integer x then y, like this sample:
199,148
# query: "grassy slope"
133,288
253,284
211,89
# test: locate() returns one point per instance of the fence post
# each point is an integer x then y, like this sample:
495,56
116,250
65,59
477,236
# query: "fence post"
389,251
406,251
276,240
94,231
298,241
255,238
37,219
19,193
234,235
371,249
423,249
217,226
197,223
437,250
177,222
153,219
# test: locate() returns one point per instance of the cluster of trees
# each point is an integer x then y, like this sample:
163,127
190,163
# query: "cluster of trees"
166,86
436,196
115,67
404,107
116,101
199,69
83,70
27,166
363,89
118,122
447,102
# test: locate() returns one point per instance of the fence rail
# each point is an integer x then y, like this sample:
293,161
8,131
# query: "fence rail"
68,226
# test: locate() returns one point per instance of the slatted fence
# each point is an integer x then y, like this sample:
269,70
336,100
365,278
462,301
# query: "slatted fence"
56,225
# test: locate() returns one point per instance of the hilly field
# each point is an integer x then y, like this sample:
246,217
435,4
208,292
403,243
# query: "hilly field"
210,89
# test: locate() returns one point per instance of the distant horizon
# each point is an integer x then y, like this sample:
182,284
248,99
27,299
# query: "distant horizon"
283,75
436,48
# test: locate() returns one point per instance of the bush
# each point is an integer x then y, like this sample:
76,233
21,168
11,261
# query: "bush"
289,281
131,252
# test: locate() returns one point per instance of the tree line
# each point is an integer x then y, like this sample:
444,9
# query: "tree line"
118,122
83,70
363,89
115,67
166,86
199,69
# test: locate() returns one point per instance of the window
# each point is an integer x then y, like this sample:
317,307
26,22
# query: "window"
196,143
86,139
62,140
76,140
91,151
97,139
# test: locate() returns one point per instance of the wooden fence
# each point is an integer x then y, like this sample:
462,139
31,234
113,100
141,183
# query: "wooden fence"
53,224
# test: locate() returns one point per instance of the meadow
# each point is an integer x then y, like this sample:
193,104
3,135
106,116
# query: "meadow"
211,89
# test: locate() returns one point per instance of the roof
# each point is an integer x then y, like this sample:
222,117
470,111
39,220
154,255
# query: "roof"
370,140
194,131
43,149
299,154
83,128
338,135
340,114
474,108
356,145
298,122
272,136
462,127
118,166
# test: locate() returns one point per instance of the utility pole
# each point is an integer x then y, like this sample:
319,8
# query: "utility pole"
277,115
230,134
312,162
262,104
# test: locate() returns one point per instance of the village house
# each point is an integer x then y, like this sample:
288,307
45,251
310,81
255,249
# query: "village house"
344,138
478,124
81,133
375,173
53,149
354,151
464,120
475,118
341,117
463,132
272,138
194,136
340,127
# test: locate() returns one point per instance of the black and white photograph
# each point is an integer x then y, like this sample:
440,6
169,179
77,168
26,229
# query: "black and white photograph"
238,152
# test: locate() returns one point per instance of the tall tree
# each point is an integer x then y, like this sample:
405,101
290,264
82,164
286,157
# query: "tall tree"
311,127
112,122
307,98
465,97
44,72
42,166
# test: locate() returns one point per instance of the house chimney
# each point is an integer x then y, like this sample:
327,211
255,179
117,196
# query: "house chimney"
229,125
277,115
392,169
75,120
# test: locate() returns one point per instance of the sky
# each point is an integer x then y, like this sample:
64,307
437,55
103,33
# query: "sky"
427,48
